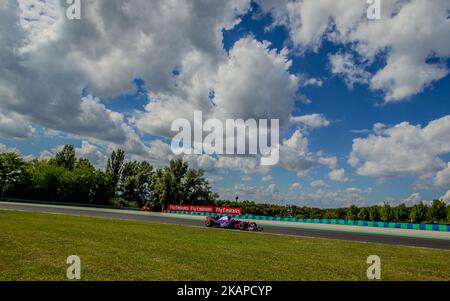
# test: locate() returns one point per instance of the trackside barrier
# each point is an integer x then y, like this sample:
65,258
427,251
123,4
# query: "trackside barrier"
426,227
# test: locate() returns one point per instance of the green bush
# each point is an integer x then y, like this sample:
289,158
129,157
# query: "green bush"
419,213
119,202
448,213
437,211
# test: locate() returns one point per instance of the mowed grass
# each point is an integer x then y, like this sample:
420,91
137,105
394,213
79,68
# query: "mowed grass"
35,246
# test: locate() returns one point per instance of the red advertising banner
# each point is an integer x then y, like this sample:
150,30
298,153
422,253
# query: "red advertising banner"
209,209
178,207
227,210
206,209
191,208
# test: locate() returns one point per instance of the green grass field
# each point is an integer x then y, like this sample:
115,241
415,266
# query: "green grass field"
35,247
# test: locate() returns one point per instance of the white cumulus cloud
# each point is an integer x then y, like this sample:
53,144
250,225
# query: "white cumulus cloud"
313,121
402,150
442,177
338,175
407,69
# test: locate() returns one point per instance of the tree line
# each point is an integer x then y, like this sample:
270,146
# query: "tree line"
68,179
436,212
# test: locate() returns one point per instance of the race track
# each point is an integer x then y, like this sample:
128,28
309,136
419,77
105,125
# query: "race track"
408,238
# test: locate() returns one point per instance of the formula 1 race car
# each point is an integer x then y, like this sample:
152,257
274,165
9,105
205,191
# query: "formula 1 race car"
230,223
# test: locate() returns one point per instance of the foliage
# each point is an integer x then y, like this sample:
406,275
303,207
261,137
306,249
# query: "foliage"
135,183
437,211
82,184
12,172
119,202
66,157
418,213
386,213
401,213
66,178
363,214
114,168
178,184
374,214
352,213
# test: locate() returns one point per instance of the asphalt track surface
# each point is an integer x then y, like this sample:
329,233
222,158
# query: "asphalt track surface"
295,231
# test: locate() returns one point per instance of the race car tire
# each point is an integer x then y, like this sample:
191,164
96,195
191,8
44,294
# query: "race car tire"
208,223
241,226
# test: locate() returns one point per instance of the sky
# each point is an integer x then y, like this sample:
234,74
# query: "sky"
363,104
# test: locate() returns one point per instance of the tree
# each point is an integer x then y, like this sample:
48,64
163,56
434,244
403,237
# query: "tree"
175,174
167,184
12,171
363,214
48,181
86,185
374,214
386,213
159,193
82,184
180,185
352,213
438,211
340,213
135,183
401,213
114,168
418,213
84,162
197,189
66,157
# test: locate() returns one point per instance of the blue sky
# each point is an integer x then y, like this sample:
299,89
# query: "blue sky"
162,77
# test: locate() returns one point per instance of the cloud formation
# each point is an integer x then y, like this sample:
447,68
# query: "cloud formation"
48,60
407,70
313,121
244,83
402,150
338,175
